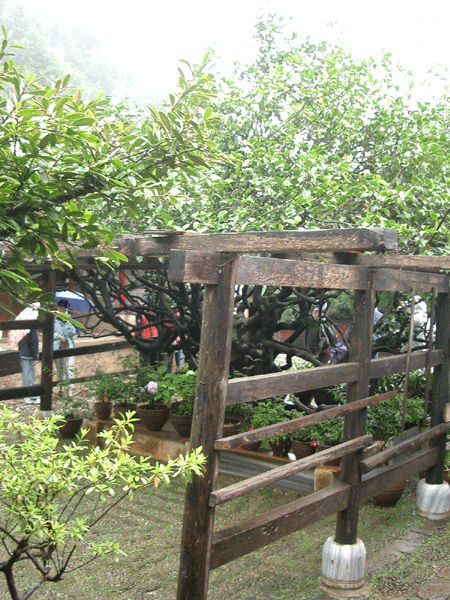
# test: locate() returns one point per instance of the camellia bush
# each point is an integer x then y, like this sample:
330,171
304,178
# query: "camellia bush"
52,498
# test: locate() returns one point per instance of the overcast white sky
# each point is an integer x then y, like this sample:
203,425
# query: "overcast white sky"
152,35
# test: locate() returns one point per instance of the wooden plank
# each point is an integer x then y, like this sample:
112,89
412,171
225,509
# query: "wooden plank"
281,272
25,324
348,240
412,443
270,477
194,267
398,280
388,365
248,389
406,262
381,479
252,534
256,435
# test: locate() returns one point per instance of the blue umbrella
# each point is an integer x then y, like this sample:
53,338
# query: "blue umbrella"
75,300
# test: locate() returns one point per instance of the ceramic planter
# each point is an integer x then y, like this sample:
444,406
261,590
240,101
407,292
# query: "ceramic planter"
181,423
103,410
155,418
302,449
70,428
281,448
119,410
232,428
389,497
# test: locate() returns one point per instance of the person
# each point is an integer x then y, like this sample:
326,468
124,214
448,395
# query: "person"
63,337
320,339
29,352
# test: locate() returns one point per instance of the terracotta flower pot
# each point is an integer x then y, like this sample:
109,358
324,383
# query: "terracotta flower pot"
103,410
70,428
280,448
389,497
119,410
231,428
153,418
302,449
181,423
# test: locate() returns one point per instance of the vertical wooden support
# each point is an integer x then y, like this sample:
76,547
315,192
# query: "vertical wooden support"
209,412
355,422
47,347
441,387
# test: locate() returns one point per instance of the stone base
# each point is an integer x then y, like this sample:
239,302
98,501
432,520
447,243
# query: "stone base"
433,500
160,445
343,565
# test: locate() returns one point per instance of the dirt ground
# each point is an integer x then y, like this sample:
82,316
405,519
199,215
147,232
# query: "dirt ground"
407,558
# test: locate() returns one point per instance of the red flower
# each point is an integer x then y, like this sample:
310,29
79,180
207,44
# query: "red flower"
105,399
314,443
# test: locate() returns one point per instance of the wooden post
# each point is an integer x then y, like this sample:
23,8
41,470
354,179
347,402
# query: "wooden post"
209,412
441,387
355,422
47,347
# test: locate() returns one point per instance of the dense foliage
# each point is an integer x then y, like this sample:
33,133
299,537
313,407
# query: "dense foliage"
75,173
51,500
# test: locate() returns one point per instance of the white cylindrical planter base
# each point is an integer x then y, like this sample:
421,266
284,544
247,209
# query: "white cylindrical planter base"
343,565
433,500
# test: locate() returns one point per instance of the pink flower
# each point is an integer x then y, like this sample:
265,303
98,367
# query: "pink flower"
151,387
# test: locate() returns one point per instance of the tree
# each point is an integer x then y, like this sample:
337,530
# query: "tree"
321,139
75,172
52,498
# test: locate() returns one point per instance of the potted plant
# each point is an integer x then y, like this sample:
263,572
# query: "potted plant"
270,412
384,423
182,386
152,390
115,387
73,411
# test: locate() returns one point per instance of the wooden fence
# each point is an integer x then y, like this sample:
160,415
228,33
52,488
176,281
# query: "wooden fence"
202,547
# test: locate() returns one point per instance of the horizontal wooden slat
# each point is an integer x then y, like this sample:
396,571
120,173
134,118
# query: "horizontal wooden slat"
24,324
249,389
270,477
281,272
398,280
347,240
381,479
388,365
406,262
263,433
410,444
259,531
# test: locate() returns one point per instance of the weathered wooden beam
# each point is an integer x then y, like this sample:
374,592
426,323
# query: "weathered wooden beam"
263,433
412,443
203,267
270,477
207,423
381,479
258,387
407,262
252,534
346,240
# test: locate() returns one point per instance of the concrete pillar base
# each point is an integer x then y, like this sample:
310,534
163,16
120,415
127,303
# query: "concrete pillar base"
343,565
433,500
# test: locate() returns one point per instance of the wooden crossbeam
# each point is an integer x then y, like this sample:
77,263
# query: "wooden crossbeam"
258,387
234,441
406,446
270,477
252,534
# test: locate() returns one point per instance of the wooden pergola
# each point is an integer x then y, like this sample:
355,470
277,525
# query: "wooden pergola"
363,260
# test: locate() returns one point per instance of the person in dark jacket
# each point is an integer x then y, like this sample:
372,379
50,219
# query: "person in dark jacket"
29,352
